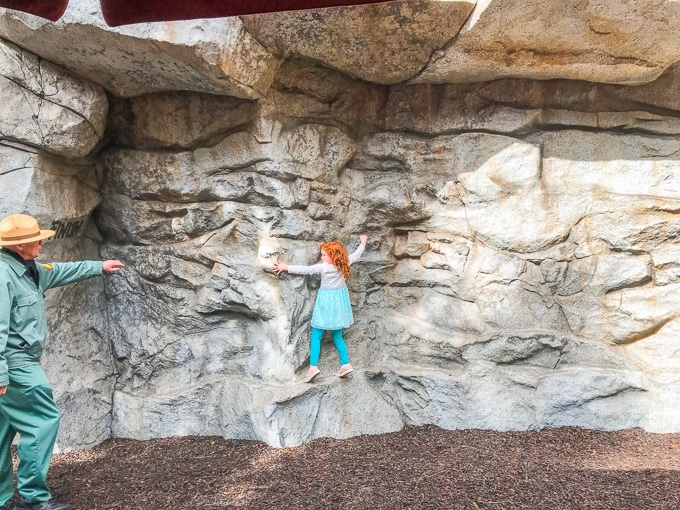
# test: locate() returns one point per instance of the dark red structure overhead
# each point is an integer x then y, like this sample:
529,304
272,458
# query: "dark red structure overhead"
125,12
48,9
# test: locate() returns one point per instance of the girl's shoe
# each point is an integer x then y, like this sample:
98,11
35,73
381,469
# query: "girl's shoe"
311,374
345,370
22,504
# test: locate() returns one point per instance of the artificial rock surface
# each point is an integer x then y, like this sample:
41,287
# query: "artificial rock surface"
47,108
521,269
421,41
52,189
574,39
214,56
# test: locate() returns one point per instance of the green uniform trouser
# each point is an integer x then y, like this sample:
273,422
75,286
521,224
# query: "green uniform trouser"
27,408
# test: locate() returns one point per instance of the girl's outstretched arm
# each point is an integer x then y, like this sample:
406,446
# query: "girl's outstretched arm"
280,267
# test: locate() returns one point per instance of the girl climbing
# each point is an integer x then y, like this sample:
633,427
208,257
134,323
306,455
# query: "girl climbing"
332,310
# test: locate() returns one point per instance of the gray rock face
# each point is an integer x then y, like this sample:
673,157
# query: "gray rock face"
176,120
501,288
382,43
47,108
48,188
546,40
78,358
521,270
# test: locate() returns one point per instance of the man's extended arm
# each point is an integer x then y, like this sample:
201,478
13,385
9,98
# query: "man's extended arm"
63,273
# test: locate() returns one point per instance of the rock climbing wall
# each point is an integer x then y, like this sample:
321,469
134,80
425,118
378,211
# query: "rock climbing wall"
519,184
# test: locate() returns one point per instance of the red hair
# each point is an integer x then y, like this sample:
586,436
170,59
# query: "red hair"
338,255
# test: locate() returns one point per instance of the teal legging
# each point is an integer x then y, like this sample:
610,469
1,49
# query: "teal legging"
28,409
315,349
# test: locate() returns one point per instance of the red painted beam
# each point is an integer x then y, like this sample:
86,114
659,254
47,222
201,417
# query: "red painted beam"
48,9
125,12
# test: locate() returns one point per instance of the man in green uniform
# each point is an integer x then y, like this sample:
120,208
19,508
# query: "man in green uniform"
26,403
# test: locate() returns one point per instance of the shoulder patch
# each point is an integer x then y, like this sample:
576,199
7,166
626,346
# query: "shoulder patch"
49,267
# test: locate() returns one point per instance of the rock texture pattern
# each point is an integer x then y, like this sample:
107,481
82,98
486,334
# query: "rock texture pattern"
522,265
383,43
47,108
593,41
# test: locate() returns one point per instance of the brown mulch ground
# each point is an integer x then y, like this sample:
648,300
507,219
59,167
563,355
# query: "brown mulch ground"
417,468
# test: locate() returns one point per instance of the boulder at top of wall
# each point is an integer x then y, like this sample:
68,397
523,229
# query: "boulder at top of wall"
382,43
215,56
609,42
420,41
46,106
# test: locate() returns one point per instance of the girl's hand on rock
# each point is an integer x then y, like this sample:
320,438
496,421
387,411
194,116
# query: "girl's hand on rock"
279,267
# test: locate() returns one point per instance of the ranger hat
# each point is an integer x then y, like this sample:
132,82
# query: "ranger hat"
20,229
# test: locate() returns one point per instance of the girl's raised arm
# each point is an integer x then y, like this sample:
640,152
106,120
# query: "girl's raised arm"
353,257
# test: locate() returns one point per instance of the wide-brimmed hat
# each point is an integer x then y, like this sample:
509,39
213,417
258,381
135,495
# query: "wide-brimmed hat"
21,228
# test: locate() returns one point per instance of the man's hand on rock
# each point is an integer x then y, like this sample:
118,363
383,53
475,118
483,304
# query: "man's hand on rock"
112,266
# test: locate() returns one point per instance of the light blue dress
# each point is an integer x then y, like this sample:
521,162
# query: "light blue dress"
332,309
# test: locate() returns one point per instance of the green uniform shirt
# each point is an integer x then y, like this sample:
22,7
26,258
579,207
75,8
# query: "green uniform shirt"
23,321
